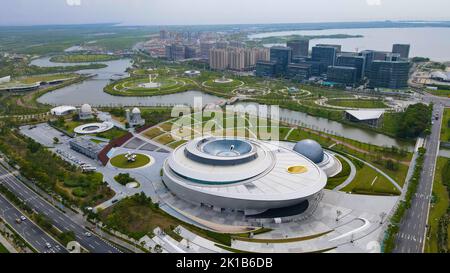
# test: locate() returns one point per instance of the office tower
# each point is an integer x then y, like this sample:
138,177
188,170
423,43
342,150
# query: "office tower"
298,72
342,74
163,35
300,48
281,56
175,52
337,47
402,49
355,61
325,55
218,59
190,52
387,74
205,48
236,58
265,69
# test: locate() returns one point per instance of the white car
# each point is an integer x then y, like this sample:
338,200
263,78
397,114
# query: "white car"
87,234
23,218
48,245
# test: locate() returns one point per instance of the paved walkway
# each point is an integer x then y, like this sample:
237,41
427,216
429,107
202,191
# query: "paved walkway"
350,177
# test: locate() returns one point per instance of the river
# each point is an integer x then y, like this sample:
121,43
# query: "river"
425,42
91,92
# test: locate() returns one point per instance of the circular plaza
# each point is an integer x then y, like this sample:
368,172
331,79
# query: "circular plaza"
93,128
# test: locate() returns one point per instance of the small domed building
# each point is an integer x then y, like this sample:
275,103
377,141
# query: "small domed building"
314,152
86,112
134,117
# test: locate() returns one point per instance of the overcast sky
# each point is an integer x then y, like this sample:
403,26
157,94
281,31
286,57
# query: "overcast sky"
168,12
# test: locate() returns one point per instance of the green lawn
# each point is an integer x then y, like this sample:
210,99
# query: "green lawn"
121,161
83,58
3,249
337,180
445,131
440,93
369,181
439,208
357,103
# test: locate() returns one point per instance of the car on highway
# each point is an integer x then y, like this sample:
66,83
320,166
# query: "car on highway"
48,245
87,234
23,218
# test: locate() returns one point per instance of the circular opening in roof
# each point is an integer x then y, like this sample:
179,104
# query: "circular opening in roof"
297,169
227,147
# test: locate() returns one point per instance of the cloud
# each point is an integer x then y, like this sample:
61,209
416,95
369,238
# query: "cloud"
373,2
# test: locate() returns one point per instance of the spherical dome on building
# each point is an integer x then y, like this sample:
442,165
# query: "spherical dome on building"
86,108
136,111
310,149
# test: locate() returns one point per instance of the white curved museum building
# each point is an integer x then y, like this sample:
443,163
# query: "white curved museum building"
261,179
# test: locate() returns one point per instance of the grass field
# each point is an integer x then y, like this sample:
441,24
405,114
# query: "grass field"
445,131
83,58
3,249
440,93
369,181
439,208
121,161
337,180
357,103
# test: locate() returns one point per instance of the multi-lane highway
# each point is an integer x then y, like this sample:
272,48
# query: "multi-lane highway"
93,243
411,237
28,230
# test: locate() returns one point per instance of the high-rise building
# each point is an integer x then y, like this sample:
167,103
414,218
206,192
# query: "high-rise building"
190,52
281,56
236,58
342,74
265,69
351,60
163,35
298,72
402,49
205,48
370,56
387,74
325,55
262,54
337,47
175,52
300,48
249,57
218,59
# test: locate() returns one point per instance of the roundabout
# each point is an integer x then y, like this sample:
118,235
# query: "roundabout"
122,161
93,128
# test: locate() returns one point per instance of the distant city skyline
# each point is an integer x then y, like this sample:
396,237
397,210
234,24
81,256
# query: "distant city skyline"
201,12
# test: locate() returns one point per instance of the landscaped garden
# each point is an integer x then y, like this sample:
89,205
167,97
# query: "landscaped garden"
122,161
83,58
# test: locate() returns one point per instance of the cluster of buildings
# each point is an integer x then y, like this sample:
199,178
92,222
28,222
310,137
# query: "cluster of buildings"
327,61
236,58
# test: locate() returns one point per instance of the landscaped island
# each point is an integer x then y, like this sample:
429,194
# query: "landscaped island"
83,58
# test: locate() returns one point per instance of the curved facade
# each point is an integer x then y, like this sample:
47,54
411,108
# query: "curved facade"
242,175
